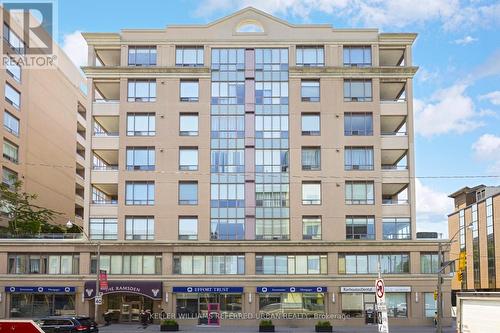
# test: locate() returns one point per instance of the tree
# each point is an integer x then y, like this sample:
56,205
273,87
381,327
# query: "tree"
23,216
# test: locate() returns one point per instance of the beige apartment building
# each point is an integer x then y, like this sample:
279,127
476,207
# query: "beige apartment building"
247,166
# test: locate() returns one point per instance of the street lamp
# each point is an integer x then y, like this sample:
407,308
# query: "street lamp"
69,225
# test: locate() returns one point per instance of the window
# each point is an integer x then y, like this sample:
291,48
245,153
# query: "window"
15,42
311,158
10,151
128,264
188,228
139,228
311,56
490,243
11,123
290,264
189,56
272,229
227,228
220,264
188,124
298,304
188,193
429,263
36,263
12,96
358,158
189,90
13,69
142,56
311,124
360,123
311,193
140,158
141,124
359,193
140,193
360,227
141,90
357,56
103,228
311,227
309,90
357,90
396,228
188,159
390,263
9,177
430,305
271,160
396,305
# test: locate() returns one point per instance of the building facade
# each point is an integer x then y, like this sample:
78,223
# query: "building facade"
247,166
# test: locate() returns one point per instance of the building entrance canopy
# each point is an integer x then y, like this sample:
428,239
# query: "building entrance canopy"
151,289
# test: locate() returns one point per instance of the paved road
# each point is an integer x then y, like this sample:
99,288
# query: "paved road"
126,328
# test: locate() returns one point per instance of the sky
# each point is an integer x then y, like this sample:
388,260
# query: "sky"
456,90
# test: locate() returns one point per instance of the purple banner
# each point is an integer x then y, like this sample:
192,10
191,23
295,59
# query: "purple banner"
151,289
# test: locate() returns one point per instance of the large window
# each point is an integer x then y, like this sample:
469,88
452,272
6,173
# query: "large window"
13,69
430,305
209,264
360,227
142,56
290,264
390,263
396,228
355,304
311,193
188,124
357,56
490,243
190,56
311,124
310,90
12,96
396,305
10,151
141,90
476,262
15,42
127,264
9,177
103,228
139,228
357,90
311,158
305,304
311,227
360,123
188,158
189,90
429,263
227,228
272,228
140,158
39,305
11,123
188,228
311,56
141,124
36,263
359,193
188,193
140,193
358,158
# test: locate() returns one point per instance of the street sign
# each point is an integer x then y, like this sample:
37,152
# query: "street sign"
103,279
383,323
98,300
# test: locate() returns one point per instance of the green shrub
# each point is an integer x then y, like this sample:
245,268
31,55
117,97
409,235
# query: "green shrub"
324,324
266,323
169,322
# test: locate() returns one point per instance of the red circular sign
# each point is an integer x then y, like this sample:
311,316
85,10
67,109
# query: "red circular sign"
379,288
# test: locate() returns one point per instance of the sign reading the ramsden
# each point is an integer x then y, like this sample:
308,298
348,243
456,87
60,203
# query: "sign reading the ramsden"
151,289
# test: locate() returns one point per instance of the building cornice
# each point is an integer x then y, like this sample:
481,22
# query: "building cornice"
361,72
156,71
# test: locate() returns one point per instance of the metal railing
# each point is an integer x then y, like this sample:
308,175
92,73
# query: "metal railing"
394,167
394,201
42,236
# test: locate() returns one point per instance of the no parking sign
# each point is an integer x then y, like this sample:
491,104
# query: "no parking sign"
383,323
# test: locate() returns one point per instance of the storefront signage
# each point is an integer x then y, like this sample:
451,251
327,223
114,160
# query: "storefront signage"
40,289
292,289
103,280
151,289
403,289
207,289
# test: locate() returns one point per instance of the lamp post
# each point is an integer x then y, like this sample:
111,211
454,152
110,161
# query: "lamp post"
69,225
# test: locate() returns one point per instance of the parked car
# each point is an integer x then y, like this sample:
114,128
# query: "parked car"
76,324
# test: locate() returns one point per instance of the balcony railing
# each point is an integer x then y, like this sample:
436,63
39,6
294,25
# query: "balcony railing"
105,134
394,167
105,202
13,159
394,133
394,201
105,167
106,100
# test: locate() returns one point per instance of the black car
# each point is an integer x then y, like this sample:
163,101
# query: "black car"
77,324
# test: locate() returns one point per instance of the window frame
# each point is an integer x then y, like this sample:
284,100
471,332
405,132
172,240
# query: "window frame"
191,99
182,49
136,202
350,48
183,132
9,116
187,236
130,228
303,85
299,53
188,167
150,116
312,202
365,98
149,48
187,202
151,95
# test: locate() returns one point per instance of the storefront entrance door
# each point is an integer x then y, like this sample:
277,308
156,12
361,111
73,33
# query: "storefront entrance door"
131,312
214,314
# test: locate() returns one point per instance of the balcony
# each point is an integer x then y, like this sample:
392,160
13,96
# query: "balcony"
106,97
394,193
392,91
80,153
105,166
394,163
391,57
104,194
108,57
106,126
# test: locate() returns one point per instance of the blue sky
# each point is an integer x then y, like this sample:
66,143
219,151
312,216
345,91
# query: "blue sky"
457,89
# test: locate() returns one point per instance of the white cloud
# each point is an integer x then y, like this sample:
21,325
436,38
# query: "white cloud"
451,14
75,47
432,209
493,97
466,40
487,148
448,110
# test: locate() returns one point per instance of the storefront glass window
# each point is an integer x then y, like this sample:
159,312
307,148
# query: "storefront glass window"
307,303
190,305
430,305
128,264
396,304
24,305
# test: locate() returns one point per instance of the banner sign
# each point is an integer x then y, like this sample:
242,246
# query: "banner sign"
392,289
292,289
10,289
151,289
207,289
103,280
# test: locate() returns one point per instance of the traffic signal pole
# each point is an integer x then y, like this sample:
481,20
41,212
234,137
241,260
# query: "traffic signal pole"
439,328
